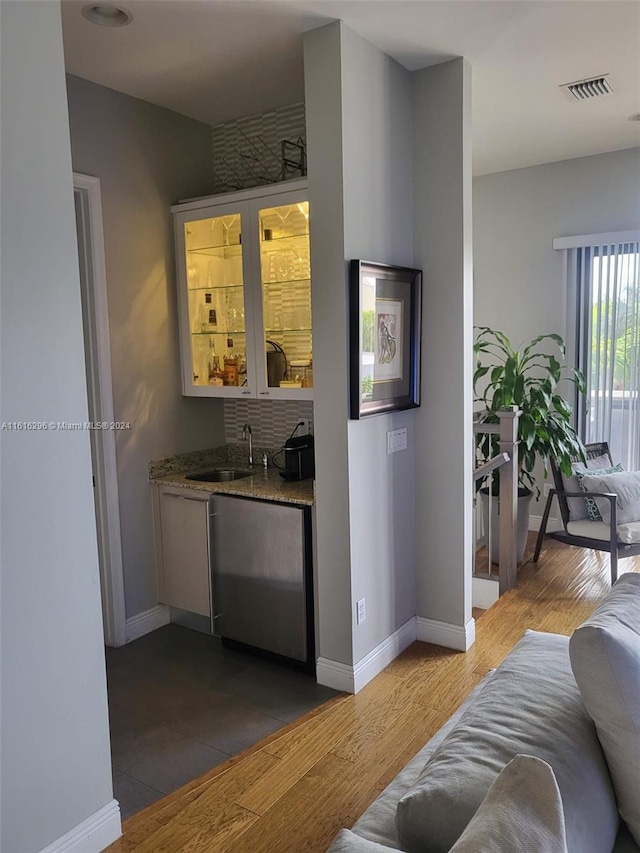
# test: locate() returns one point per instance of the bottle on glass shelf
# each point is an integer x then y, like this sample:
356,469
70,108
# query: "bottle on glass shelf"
213,366
230,372
208,316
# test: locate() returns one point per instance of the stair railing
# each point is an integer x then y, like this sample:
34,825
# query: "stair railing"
505,462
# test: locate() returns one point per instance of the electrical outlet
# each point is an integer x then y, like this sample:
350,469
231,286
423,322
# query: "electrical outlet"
361,611
306,427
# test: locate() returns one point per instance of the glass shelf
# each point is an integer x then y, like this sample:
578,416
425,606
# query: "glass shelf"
230,251
286,281
264,242
240,333
213,287
295,330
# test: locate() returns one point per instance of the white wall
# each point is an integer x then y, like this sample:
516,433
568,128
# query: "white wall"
147,159
443,245
358,105
55,737
518,279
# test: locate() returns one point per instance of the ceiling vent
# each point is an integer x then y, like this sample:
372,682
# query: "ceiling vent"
592,87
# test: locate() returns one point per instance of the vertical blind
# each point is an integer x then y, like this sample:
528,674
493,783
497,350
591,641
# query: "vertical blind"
606,283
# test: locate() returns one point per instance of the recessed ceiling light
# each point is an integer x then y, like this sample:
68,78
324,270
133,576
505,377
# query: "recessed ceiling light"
107,15
635,117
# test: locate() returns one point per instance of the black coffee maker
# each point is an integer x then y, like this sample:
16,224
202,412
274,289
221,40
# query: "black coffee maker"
299,462
276,365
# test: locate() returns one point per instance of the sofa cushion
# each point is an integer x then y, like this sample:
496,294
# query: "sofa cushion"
628,534
378,823
348,842
530,705
605,656
522,811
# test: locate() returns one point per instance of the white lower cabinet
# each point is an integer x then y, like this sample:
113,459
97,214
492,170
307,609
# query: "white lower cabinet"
182,543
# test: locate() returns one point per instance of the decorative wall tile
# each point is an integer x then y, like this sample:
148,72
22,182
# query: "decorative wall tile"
272,421
247,152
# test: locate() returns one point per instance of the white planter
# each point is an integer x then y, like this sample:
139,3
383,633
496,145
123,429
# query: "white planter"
522,527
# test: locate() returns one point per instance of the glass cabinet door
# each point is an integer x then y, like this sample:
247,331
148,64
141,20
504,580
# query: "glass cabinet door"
216,301
285,276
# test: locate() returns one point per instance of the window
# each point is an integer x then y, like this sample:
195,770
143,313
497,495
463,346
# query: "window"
603,282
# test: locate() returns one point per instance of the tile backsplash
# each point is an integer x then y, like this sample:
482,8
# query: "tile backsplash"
247,152
272,421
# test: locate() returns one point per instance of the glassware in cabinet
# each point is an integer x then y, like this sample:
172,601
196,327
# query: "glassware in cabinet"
285,276
216,300
245,293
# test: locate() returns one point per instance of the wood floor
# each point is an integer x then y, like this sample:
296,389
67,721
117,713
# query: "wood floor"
296,789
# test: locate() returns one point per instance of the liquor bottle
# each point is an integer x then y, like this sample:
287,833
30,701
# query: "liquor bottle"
230,369
208,316
213,366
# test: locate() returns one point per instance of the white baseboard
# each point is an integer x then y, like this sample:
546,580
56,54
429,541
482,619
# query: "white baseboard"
92,835
338,676
351,679
484,592
553,524
458,637
147,621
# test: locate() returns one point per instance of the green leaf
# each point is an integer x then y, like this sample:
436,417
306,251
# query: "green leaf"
518,390
496,373
561,406
480,372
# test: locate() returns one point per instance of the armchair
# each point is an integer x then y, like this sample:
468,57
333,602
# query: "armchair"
584,533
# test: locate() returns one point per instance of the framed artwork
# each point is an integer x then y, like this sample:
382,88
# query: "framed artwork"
384,332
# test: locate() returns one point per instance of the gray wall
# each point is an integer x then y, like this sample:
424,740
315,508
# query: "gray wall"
518,280
56,769
443,249
358,104
323,85
377,198
147,159
517,274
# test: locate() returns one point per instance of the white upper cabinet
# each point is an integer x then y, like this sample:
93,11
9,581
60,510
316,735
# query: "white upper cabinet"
244,294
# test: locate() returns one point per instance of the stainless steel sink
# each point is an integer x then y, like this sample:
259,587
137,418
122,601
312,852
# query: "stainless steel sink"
221,475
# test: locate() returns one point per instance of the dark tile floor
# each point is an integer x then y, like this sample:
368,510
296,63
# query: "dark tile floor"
180,703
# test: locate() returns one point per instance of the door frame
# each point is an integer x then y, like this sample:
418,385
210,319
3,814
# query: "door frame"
93,281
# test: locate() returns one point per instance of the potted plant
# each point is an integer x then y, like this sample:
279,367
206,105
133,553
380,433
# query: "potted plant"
528,378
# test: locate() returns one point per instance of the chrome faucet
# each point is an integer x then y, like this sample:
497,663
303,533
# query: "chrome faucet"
246,430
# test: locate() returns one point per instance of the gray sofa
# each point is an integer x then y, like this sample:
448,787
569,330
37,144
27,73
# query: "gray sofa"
543,756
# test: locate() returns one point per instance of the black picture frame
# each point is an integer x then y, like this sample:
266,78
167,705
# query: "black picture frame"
384,338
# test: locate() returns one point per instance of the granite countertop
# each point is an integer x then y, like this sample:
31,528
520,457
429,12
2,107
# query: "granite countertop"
263,484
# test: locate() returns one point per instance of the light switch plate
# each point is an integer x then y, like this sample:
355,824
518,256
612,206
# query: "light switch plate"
396,440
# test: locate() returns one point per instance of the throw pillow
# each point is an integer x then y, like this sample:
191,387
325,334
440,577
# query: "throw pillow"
577,506
522,811
590,506
605,657
531,705
625,484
